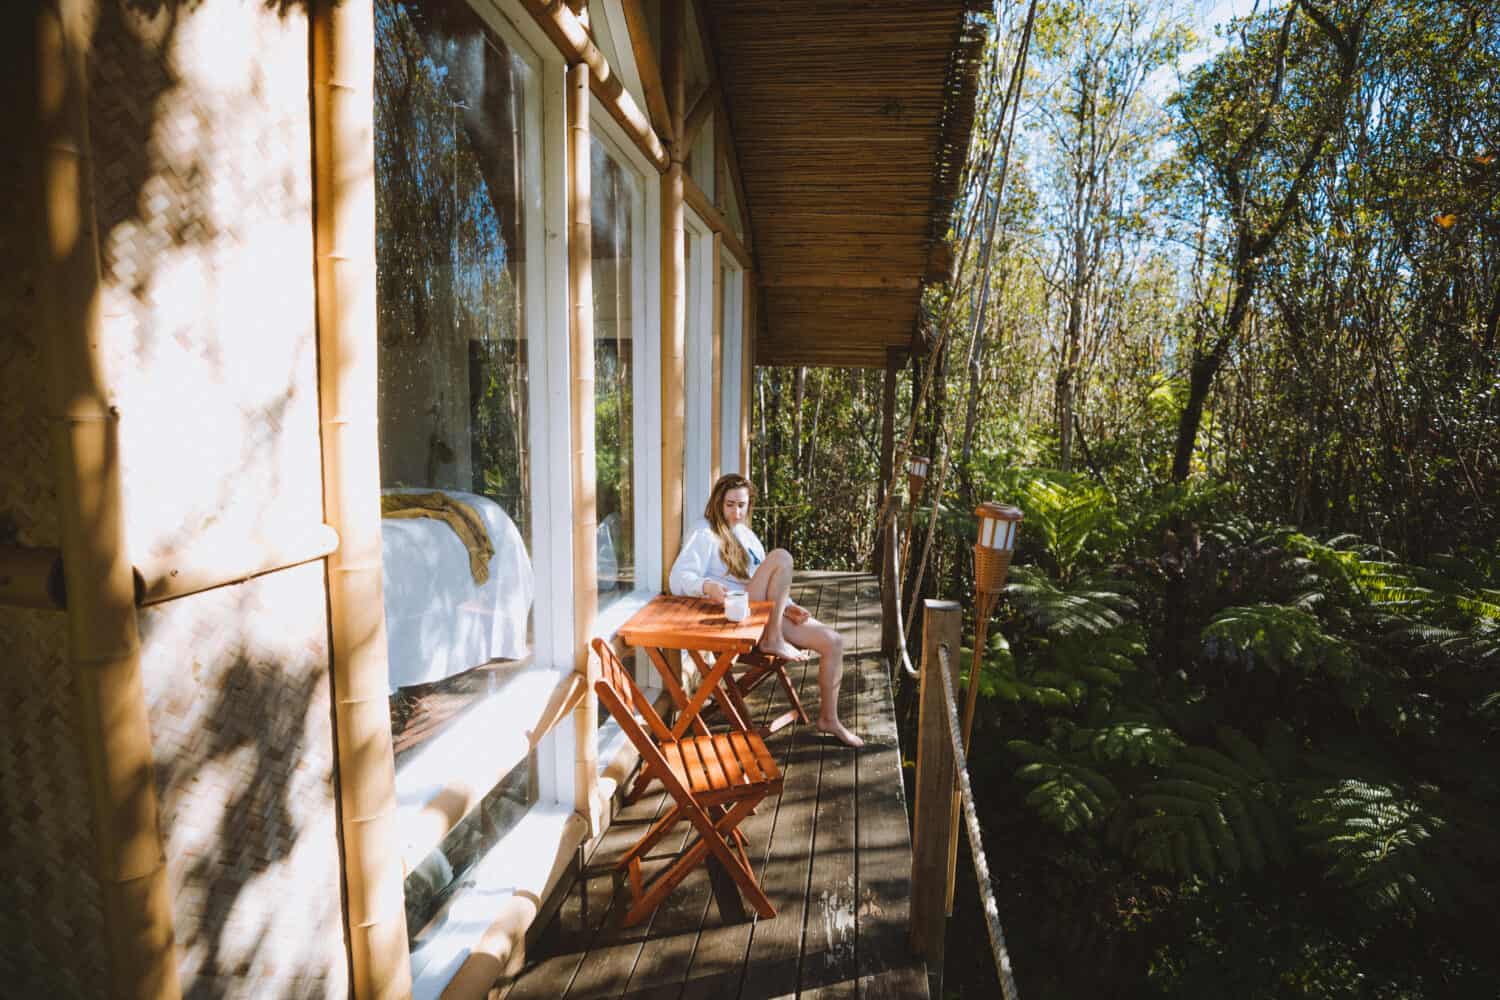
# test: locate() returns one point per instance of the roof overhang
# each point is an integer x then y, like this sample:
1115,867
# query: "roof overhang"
851,121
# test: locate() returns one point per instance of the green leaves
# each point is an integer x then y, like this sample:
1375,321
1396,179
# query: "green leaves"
1070,517
1278,637
1088,608
1378,840
1212,810
1068,795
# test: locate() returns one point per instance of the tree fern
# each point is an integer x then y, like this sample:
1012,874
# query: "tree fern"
1378,842
1211,810
1090,607
1280,637
1069,516
1069,795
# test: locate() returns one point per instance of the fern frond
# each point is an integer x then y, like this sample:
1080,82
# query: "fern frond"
1376,838
1277,636
1068,795
1134,743
1090,608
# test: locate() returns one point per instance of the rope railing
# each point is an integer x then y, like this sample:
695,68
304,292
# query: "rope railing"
976,842
943,792
893,556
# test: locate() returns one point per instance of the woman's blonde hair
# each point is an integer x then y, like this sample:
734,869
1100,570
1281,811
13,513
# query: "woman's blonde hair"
731,550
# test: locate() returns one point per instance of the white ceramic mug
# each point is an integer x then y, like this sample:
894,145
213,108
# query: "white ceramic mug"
736,605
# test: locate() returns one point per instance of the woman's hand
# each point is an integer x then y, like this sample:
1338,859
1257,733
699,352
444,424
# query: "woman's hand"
796,614
715,591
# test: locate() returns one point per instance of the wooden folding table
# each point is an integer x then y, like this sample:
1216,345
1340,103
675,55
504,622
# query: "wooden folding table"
699,628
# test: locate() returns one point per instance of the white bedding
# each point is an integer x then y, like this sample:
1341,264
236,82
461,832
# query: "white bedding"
439,622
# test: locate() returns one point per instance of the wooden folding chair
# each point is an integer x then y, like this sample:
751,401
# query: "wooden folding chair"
715,781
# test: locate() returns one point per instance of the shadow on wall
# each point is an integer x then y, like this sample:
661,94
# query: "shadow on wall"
237,680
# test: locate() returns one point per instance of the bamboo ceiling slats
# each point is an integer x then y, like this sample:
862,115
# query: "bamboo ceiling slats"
851,118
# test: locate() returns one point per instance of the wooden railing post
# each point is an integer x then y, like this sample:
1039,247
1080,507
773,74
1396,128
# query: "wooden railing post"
935,777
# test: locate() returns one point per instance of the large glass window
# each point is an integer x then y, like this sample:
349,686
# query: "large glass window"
616,195
455,109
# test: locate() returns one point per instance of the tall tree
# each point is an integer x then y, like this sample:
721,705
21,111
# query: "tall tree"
1256,122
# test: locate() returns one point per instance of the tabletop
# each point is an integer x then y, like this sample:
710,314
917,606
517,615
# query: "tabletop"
693,623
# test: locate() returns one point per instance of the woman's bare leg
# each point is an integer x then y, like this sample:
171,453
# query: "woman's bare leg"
829,646
773,582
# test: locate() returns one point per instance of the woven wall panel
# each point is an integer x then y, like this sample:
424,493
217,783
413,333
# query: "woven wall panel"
237,680
201,129
202,134
51,924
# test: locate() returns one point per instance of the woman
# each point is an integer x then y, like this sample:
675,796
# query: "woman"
722,553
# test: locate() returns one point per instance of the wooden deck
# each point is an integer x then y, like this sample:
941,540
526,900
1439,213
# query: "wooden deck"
833,853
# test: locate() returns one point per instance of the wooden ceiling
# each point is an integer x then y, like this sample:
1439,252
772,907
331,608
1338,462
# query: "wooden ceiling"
851,119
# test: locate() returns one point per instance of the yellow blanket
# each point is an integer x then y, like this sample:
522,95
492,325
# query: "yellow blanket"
463,519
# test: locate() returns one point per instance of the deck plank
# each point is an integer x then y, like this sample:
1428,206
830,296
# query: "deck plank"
562,948
829,944
718,966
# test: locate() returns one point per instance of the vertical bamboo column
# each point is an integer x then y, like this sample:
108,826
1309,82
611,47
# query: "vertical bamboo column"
884,566
717,395
585,498
932,816
673,299
343,51
103,638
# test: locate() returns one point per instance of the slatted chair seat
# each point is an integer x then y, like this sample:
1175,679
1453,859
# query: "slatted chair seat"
715,781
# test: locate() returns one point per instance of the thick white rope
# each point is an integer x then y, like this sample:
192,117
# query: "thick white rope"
976,844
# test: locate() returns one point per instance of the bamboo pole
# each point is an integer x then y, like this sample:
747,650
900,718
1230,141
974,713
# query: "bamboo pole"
888,624
585,498
648,67
31,578
343,48
717,452
227,562
572,40
103,637
695,197
936,773
673,299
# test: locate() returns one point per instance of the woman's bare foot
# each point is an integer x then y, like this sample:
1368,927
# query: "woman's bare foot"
836,728
783,649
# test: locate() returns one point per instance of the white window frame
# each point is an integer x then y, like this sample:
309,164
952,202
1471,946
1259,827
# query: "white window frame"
698,371
733,355
646,415
507,866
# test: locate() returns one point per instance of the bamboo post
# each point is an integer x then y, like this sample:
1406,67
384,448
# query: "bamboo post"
647,66
343,50
572,39
673,299
103,637
933,817
717,395
882,537
585,496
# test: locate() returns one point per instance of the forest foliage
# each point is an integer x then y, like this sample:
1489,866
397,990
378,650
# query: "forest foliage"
1225,330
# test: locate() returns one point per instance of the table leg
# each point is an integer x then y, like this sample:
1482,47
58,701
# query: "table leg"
679,696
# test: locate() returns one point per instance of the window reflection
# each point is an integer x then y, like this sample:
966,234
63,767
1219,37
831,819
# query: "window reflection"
451,105
613,192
